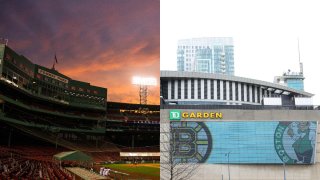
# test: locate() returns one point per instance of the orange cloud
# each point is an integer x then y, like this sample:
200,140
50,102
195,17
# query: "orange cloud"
94,42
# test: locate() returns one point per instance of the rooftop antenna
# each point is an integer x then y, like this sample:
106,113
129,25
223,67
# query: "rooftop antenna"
300,63
299,49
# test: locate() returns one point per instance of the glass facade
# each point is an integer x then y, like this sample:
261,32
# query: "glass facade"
290,79
223,59
209,55
295,84
204,60
180,60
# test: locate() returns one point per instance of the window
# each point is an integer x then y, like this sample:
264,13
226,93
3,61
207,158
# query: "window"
230,91
192,88
218,89
242,92
248,95
199,88
224,90
185,89
212,89
205,89
172,89
258,90
236,94
179,89
253,93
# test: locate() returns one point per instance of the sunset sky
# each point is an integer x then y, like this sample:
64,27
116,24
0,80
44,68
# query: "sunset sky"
105,43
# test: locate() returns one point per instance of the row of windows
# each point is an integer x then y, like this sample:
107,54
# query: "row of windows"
83,90
189,55
19,65
218,47
192,47
59,93
21,81
52,81
16,78
48,89
216,55
225,90
85,96
64,85
85,99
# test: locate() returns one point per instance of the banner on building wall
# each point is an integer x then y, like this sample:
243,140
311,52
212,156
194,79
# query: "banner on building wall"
135,154
245,142
46,73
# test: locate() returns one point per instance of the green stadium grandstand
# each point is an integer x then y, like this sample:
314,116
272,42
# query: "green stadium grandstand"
44,112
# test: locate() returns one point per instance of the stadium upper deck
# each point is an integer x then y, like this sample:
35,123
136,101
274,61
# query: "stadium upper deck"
48,83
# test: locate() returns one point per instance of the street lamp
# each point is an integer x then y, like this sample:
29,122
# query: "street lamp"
284,170
228,165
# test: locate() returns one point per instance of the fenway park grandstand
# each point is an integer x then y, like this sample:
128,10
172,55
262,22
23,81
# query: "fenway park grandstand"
55,127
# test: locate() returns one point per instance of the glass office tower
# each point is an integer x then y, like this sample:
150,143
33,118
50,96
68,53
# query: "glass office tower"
210,55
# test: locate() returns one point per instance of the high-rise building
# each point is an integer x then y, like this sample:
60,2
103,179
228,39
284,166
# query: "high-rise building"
209,55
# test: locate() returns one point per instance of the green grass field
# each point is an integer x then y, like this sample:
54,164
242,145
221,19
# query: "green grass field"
142,169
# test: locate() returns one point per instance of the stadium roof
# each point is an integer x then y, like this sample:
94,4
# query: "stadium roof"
266,85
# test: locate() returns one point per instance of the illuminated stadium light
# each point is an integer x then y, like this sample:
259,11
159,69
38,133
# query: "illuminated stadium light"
148,81
143,83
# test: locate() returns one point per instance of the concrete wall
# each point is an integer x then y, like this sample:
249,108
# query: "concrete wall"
256,172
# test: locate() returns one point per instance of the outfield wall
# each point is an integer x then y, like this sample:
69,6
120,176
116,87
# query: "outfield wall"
261,170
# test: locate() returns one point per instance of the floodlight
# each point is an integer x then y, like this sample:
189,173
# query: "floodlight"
147,81
143,83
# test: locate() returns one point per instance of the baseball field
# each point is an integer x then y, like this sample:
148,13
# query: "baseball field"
137,171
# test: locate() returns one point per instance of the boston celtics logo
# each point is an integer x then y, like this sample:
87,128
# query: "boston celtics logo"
295,141
191,142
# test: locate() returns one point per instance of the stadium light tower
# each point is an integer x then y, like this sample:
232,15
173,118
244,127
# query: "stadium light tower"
143,83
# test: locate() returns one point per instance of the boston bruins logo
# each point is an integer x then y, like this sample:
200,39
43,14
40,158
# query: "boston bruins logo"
191,142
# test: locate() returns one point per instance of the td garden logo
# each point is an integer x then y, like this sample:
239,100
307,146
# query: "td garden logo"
177,115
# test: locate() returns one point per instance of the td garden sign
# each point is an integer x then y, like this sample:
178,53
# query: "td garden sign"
176,115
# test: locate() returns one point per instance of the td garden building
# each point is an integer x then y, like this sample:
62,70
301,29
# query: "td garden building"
226,127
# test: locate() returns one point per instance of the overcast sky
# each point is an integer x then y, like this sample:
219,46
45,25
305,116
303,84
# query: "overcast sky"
265,35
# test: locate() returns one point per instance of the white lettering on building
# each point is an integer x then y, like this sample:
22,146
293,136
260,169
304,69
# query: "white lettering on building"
43,72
